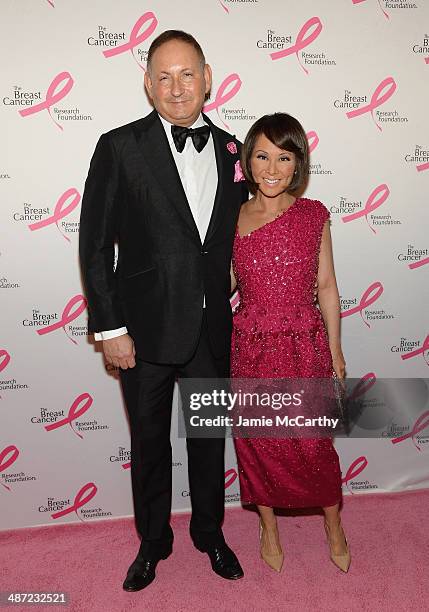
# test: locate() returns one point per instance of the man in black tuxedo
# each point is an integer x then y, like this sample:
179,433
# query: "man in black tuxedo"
164,189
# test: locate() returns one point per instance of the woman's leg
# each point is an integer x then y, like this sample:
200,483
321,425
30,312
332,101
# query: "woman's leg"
271,550
334,529
270,535
339,550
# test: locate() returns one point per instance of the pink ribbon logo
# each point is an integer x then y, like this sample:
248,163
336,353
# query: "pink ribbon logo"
313,141
369,296
60,211
377,99
52,96
379,4
4,359
302,40
230,477
126,466
85,402
418,264
136,37
420,351
354,470
365,383
425,166
6,461
225,8
421,424
233,82
376,199
79,501
67,316
51,2
235,300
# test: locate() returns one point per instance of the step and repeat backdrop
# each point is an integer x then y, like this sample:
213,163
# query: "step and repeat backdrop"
356,74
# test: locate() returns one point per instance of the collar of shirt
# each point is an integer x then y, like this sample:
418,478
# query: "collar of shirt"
167,126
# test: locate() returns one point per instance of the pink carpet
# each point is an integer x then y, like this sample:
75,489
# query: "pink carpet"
388,537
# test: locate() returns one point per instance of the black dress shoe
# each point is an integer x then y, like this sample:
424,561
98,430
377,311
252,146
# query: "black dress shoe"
141,573
225,563
139,578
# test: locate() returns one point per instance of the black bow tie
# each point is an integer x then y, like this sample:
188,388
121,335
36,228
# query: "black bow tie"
199,136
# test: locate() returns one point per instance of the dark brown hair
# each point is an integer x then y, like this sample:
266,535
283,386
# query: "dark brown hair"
285,132
168,35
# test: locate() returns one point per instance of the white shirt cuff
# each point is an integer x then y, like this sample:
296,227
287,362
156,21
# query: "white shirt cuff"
111,333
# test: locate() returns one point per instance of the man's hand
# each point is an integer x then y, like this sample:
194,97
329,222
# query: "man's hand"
120,352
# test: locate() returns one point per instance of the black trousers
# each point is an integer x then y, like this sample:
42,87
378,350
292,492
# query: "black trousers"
148,391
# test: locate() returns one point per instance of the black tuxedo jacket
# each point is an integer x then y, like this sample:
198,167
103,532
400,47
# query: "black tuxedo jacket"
133,196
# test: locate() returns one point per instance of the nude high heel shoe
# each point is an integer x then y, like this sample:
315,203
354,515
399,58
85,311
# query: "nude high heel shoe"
275,561
341,561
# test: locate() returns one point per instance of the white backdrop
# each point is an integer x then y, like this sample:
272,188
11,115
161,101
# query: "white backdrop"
355,72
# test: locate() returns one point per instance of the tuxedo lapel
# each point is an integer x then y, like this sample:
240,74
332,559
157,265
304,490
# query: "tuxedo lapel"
224,175
154,146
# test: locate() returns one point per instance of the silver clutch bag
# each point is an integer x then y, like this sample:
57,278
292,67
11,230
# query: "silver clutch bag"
340,398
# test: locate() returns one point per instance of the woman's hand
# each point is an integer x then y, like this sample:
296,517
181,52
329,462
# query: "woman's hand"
233,279
339,363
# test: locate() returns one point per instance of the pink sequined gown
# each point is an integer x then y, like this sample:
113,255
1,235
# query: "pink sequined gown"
278,332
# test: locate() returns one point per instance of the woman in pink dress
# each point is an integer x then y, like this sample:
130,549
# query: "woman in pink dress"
282,247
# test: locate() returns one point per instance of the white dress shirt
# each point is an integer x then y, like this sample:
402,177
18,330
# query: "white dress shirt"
198,173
